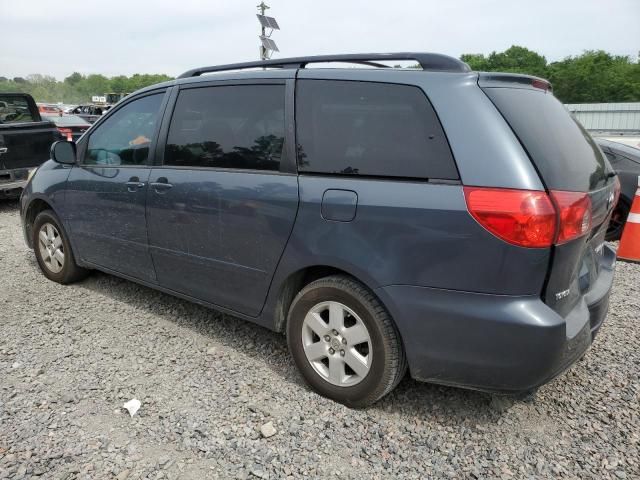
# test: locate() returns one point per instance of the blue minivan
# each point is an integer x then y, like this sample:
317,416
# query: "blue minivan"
434,219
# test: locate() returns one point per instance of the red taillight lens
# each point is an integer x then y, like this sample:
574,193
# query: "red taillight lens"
574,210
521,217
530,218
66,132
541,84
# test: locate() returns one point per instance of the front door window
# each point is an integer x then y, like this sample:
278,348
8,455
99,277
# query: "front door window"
125,137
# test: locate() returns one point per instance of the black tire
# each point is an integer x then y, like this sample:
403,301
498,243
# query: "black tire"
618,219
388,361
70,271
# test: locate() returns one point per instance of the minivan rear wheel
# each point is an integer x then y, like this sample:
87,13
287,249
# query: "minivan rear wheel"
344,341
53,250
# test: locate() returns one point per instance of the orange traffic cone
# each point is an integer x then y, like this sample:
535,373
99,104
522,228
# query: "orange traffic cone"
630,242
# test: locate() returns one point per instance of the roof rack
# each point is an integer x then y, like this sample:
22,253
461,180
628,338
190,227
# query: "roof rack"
428,61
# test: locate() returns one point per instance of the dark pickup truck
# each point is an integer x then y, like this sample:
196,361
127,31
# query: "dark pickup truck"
25,140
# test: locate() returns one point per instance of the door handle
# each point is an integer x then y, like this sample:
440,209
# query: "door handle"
134,184
161,185
3,150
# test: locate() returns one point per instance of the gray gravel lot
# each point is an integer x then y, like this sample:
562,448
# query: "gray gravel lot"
71,356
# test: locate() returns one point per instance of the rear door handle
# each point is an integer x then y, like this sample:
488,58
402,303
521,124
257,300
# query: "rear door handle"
161,185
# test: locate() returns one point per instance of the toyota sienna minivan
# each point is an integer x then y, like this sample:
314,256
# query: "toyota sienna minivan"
434,219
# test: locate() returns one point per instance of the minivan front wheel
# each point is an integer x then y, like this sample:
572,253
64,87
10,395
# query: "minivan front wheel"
53,250
344,341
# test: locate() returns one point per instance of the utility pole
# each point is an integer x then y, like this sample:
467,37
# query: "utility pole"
263,7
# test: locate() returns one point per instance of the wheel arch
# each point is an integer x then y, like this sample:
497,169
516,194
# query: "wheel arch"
35,206
298,279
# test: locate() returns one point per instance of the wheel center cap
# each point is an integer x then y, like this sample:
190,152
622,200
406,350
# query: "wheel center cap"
335,343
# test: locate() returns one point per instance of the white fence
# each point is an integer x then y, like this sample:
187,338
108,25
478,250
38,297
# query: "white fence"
613,118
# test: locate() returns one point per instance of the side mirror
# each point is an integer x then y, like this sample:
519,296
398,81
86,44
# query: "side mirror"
64,152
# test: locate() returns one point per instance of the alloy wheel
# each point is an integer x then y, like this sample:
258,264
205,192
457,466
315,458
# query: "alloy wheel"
337,343
51,247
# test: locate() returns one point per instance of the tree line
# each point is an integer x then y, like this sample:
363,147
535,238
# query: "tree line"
77,88
592,77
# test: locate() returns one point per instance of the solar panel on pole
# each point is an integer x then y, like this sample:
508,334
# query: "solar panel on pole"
263,20
269,44
268,22
272,23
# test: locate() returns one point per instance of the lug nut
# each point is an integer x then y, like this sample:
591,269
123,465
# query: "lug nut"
342,353
335,332
332,351
344,341
327,338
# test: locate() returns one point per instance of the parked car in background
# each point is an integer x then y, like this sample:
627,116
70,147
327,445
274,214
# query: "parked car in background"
70,127
25,141
90,113
48,109
626,162
381,217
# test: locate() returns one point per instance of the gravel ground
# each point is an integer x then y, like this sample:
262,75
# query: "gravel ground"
208,383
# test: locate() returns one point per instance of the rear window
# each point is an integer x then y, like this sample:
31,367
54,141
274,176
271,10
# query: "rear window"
365,128
15,110
561,149
67,120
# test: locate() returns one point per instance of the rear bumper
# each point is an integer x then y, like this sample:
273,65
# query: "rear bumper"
13,181
492,342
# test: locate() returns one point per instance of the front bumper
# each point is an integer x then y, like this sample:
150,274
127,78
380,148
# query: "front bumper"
494,343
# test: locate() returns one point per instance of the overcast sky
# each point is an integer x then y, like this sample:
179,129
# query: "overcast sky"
58,37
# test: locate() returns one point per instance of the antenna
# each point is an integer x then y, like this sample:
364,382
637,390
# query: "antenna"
267,46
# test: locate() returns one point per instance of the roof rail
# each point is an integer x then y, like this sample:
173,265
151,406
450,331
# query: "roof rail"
428,61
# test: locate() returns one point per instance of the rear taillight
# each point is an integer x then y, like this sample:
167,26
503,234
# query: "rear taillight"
521,217
574,210
66,132
530,218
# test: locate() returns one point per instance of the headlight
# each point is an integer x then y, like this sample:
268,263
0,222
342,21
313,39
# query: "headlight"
32,172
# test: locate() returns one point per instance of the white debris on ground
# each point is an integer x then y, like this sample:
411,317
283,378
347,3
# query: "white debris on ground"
132,406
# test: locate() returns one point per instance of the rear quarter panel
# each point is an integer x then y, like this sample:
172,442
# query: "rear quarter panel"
408,233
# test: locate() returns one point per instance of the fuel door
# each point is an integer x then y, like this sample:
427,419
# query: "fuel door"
339,205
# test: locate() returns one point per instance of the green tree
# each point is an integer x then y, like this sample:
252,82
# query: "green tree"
515,59
596,76
119,84
74,79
